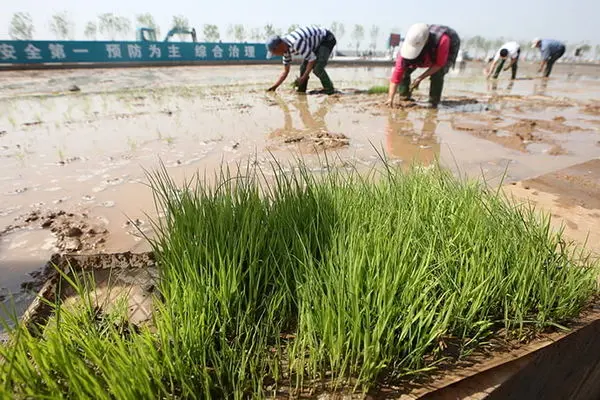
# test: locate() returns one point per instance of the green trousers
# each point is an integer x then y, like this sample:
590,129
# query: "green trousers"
323,53
435,88
501,64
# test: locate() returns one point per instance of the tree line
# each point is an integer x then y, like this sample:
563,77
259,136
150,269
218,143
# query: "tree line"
113,27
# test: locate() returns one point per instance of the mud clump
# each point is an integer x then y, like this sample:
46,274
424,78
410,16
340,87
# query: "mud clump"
593,109
489,132
557,150
528,126
321,140
73,232
518,135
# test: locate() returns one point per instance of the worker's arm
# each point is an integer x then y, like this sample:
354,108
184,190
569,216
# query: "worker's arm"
430,71
441,59
396,78
391,94
282,78
492,68
309,68
542,65
545,56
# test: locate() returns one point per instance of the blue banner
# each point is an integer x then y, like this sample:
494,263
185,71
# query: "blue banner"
41,52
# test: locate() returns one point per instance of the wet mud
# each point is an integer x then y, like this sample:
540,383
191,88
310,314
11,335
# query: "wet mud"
73,233
571,196
593,109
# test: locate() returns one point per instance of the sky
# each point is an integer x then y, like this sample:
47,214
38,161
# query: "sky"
572,22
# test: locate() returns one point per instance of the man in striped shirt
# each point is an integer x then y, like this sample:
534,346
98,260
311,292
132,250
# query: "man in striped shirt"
313,43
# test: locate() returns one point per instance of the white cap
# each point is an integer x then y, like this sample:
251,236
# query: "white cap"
534,42
415,40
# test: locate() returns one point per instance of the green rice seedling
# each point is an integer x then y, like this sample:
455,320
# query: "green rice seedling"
275,278
378,90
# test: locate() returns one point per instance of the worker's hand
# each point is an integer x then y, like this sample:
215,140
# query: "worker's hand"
272,88
299,81
415,84
389,102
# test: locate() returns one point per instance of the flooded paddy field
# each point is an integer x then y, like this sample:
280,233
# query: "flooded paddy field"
75,145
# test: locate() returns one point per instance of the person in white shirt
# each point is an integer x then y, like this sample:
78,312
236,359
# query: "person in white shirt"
509,51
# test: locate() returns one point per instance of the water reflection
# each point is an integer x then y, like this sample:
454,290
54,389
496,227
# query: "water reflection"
540,87
492,87
314,122
404,142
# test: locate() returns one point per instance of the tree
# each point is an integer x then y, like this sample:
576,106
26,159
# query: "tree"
487,45
182,23
62,26
476,43
358,34
498,43
256,35
525,49
146,20
211,33
21,27
374,36
270,30
238,32
112,25
337,28
293,27
91,30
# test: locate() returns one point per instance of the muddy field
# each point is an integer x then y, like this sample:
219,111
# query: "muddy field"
74,145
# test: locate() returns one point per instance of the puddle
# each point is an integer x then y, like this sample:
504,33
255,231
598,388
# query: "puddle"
22,254
85,153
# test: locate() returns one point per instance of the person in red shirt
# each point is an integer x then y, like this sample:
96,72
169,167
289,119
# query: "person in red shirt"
434,47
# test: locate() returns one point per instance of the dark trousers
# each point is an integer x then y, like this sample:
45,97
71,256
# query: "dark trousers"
435,88
323,53
513,67
552,60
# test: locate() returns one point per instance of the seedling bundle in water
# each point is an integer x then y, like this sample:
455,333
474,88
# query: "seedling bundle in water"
339,276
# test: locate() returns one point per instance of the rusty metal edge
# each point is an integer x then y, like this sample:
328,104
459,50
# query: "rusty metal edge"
497,360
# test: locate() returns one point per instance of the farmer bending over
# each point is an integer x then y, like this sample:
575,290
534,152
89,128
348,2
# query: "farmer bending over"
510,50
434,47
313,43
551,51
